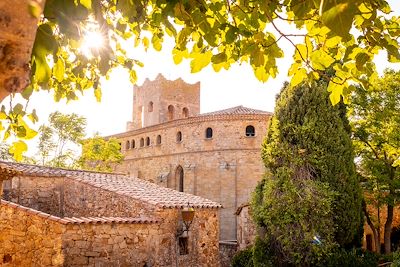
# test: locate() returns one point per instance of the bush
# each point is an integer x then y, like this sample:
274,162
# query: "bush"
350,258
243,258
396,259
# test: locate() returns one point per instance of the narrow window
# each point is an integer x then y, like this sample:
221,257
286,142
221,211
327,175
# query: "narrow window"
127,145
133,143
170,112
179,136
150,107
141,142
147,141
158,139
185,112
179,177
250,131
183,245
209,132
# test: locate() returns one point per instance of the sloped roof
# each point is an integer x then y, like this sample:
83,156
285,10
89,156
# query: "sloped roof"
80,220
238,110
118,183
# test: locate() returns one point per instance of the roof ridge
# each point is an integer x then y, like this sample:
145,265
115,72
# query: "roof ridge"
11,163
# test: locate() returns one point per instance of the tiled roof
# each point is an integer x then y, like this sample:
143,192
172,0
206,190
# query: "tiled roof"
80,220
36,170
118,183
239,110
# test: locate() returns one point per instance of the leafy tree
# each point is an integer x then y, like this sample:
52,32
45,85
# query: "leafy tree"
100,154
375,118
309,199
58,138
216,32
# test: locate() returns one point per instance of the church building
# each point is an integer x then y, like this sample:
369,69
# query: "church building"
214,155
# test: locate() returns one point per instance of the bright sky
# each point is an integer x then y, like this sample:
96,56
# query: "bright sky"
238,86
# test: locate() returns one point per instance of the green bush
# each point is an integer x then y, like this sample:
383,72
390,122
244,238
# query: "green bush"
395,259
350,258
243,258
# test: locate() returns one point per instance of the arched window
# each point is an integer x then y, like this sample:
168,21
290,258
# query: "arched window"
147,141
133,143
158,139
141,142
179,136
179,177
150,107
209,132
127,145
250,130
185,112
170,112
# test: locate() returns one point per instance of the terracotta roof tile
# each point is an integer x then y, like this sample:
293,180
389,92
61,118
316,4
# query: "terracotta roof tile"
238,110
120,184
80,220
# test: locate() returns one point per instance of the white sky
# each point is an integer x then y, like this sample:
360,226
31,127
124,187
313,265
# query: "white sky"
237,86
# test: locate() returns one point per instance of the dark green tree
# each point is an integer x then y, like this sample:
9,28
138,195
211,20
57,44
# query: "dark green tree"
309,200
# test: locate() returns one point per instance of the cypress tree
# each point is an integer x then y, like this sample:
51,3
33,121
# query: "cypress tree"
309,200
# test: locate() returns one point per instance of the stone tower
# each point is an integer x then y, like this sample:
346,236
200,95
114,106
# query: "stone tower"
162,100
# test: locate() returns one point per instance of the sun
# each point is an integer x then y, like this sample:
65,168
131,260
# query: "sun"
93,41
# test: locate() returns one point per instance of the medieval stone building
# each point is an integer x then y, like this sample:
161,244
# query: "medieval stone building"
58,217
215,155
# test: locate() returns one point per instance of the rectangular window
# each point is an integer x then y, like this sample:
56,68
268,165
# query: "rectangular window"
183,245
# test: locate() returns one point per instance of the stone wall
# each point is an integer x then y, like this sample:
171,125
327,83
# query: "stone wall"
29,238
224,168
227,249
85,244
247,230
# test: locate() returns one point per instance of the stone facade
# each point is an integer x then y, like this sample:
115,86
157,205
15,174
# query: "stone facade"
247,230
96,219
214,155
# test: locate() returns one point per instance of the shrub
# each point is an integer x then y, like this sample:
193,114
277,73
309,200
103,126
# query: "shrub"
243,258
350,258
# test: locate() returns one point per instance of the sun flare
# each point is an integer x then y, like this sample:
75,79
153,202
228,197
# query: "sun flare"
92,42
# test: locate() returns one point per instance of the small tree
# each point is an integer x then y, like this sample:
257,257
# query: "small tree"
309,198
100,154
375,118
57,139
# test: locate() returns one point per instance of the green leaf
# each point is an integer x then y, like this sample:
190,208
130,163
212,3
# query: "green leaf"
97,94
33,116
27,92
59,70
18,109
298,77
321,60
34,9
17,149
219,58
261,74
86,3
199,61
336,92
339,18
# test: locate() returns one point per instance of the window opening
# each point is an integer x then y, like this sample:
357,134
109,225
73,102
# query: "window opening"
209,132
158,139
147,141
127,145
150,107
250,131
133,143
183,245
185,112
179,176
170,112
179,136
141,142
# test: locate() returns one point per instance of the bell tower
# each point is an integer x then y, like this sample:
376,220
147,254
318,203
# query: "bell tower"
162,100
